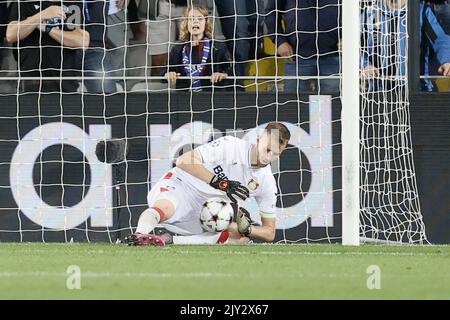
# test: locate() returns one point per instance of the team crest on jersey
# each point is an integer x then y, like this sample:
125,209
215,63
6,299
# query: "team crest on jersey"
252,185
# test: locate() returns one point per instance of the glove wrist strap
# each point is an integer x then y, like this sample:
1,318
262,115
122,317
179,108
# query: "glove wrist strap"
219,183
214,180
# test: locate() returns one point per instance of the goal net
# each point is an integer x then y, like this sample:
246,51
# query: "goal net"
390,208
282,63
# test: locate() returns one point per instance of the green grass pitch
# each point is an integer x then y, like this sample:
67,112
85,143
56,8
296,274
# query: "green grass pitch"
38,271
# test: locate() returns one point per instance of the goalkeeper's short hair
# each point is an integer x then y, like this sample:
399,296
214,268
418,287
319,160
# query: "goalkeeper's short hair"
283,131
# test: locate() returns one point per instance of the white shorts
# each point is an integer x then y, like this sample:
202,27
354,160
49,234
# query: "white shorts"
187,202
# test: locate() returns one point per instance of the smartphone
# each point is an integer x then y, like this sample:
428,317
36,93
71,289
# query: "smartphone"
58,21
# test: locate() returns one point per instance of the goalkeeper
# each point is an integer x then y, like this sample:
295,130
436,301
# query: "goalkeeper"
226,167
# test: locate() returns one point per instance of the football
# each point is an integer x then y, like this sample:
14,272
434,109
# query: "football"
216,215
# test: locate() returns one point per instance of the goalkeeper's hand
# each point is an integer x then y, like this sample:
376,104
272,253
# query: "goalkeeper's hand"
242,219
231,188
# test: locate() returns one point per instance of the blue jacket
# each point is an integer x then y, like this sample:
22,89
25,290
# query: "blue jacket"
391,57
301,25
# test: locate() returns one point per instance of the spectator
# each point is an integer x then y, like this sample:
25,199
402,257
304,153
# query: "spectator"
3,21
96,62
46,46
442,12
309,41
162,17
386,58
137,27
117,35
198,54
136,59
8,53
242,21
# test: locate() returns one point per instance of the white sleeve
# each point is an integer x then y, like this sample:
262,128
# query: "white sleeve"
267,198
216,150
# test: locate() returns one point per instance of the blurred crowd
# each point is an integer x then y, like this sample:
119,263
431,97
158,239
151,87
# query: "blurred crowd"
201,45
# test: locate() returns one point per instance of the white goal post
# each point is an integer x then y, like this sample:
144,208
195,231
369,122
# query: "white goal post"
351,36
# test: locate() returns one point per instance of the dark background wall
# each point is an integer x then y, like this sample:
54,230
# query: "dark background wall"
430,117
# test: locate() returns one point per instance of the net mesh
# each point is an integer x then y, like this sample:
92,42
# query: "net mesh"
389,196
279,68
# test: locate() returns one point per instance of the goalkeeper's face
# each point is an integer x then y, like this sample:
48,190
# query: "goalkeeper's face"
269,148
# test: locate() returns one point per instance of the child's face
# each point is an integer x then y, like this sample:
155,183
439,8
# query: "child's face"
196,23
395,4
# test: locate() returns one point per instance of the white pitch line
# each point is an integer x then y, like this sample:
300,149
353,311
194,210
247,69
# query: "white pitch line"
237,252
171,275
310,253
116,274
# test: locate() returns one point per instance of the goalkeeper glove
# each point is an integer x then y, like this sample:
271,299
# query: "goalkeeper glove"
242,219
230,188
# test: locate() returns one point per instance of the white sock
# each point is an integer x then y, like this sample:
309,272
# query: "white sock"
148,220
204,238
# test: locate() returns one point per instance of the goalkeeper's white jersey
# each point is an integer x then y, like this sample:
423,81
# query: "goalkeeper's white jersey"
230,157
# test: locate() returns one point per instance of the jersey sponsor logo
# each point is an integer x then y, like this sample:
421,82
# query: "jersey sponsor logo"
219,172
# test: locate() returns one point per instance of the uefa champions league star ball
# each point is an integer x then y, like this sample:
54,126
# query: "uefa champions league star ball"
216,215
